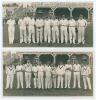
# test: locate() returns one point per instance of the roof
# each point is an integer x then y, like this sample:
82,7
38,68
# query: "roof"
53,4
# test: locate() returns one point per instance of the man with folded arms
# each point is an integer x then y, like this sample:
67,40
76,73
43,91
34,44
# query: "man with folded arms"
85,72
10,71
60,75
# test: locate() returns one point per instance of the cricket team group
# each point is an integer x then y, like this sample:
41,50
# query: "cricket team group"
47,76
48,30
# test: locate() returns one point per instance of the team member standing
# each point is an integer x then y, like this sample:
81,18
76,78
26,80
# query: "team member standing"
60,72
40,69
55,30
47,30
81,25
54,75
28,70
72,31
47,76
26,20
85,72
23,35
76,73
31,30
10,71
68,69
34,70
39,29
63,29
19,70
11,29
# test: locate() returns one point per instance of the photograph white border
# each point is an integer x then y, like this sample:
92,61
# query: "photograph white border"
52,49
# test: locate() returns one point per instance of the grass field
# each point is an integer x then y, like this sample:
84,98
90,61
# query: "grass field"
88,39
50,92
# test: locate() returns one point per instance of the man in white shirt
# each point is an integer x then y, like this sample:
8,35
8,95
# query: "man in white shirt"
68,70
26,21
10,71
47,76
54,75
76,73
22,25
81,25
28,70
39,29
35,72
19,70
85,72
72,31
60,73
55,30
31,30
63,29
47,30
11,29
40,69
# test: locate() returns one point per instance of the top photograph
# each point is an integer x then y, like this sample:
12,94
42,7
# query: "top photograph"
48,24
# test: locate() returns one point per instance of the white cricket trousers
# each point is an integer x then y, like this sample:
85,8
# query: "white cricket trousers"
60,81
86,80
35,80
31,31
28,79
19,79
39,35
48,81
53,82
64,34
72,35
9,81
81,33
23,35
55,34
76,78
40,80
47,34
67,79
11,33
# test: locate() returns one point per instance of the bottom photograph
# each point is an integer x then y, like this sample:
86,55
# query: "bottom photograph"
47,74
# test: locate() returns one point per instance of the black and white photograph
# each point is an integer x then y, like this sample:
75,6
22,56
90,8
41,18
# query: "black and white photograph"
48,24
47,73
